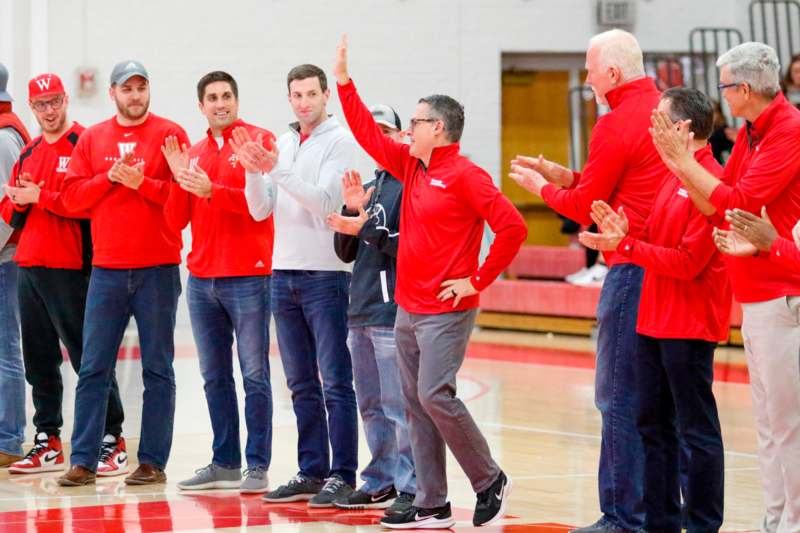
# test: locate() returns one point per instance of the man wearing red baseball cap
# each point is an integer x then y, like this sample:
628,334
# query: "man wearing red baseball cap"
54,256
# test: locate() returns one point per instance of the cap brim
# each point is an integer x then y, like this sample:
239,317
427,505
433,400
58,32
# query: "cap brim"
387,124
48,93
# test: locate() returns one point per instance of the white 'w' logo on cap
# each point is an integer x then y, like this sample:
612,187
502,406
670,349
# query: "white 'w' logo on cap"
43,83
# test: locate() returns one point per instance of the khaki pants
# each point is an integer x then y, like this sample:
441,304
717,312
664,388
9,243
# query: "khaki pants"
771,331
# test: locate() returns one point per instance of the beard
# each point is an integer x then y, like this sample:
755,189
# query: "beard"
126,111
59,124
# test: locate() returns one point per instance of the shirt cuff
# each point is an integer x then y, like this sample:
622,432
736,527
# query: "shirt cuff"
625,246
718,197
46,199
547,192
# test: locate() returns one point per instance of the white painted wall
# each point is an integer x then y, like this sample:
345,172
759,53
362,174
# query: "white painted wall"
400,49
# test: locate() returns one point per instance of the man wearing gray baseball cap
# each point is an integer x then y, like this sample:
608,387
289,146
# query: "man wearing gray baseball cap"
118,172
13,137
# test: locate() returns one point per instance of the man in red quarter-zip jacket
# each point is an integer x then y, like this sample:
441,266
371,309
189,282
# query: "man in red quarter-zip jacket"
118,173
446,202
53,254
623,169
683,312
228,289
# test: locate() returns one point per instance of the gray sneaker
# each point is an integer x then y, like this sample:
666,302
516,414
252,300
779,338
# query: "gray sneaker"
335,489
213,477
256,481
401,504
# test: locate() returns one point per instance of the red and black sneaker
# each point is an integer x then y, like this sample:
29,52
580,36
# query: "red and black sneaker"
113,457
45,456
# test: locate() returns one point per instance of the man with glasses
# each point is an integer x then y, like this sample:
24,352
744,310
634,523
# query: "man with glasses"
54,256
763,173
446,202
118,173
13,136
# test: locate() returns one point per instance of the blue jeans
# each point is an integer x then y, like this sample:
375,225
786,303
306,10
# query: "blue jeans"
12,374
621,472
310,310
383,411
150,295
220,308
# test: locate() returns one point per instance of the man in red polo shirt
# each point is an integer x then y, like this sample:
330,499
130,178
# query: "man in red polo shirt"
623,169
446,202
54,254
228,290
683,312
763,171
118,173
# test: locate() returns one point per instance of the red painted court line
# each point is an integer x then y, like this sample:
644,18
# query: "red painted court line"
723,372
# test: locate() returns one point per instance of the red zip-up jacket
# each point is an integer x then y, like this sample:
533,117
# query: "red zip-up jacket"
52,236
623,168
764,170
442,216
226,241
686,293
128,226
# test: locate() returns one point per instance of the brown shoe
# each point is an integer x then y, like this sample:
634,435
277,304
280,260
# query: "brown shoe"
77,476
146,475
6,459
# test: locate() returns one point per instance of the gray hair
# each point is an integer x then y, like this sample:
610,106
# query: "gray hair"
755,64
449,111
620,49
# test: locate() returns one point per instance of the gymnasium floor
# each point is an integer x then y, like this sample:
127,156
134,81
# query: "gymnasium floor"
531,395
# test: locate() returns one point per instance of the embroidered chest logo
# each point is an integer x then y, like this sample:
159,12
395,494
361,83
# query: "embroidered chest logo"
193,163
126,148
438,183
683,193
63,163
233,160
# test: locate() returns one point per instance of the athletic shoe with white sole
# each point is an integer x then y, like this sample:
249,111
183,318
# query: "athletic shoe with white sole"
299,488
335,489
256,481
113,457
45,456
213,477
360,499
491,505
419,518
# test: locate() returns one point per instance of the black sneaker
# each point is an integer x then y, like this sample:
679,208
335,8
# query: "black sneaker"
299,488
419,518
601,526
335,489
401,504
491,504
358,499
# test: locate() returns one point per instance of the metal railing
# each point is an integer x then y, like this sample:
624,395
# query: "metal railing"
777,23
705,46
583,109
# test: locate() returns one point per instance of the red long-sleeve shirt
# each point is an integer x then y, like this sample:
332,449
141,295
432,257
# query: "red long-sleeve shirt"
52,235
226,241
623,168
442,216
764,170
685,293
128,226
784,252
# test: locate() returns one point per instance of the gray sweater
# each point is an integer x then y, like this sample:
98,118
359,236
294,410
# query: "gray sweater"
11,145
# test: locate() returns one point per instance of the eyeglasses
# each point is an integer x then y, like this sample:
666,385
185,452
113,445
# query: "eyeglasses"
722,86
54,103
412,123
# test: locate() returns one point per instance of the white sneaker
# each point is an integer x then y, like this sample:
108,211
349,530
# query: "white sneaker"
113,457
576,275
593,277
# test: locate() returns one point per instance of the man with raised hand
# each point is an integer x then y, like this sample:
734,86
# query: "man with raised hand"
762,172
368,234
54,254
446,202
310,287
228,289
624,170
118,173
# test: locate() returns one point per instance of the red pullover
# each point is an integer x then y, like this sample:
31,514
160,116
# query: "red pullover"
52,236
764,170
128,226
442,216
226,241
623,168
685,293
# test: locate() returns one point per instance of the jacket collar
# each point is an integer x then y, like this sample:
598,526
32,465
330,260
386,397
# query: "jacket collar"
227,132
617,95
773,112
441,154
324,126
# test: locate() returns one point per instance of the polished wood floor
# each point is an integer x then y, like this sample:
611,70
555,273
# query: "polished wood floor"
539,419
